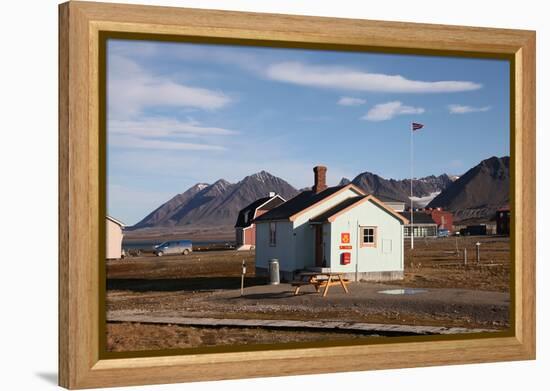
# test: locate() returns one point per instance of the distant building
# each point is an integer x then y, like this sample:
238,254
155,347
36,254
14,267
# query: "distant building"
423,226
398,206
491,228
428,222
443,218
474,230
113,238
338,228
503,221
245,229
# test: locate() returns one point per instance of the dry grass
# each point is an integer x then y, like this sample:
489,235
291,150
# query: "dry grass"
197,264
188,284
123,337
434,263
439,263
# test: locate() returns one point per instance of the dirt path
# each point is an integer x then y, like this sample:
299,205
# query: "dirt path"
365,303
330,325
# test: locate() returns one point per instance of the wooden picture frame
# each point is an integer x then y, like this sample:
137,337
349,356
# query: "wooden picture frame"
81,364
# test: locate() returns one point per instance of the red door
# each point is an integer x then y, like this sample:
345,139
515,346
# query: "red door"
319,245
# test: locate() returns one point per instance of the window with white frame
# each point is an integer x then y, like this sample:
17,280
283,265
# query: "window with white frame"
273,234
367,236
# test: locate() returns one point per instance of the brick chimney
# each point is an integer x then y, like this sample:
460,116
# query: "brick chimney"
320,179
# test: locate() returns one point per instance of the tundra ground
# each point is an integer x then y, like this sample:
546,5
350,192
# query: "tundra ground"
206,284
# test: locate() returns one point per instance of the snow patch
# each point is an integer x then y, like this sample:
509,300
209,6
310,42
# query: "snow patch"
262,176
421,202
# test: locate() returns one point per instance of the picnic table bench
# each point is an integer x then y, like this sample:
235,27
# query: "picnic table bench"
320,280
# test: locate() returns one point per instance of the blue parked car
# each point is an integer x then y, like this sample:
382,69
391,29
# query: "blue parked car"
172,247
443,233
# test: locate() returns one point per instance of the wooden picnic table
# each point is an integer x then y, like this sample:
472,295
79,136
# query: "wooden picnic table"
327,280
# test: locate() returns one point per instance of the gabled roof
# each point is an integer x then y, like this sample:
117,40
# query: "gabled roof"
350,203
242,222
324,217
118,222
302,202
418,217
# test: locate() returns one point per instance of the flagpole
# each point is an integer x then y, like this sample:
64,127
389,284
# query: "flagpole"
411,198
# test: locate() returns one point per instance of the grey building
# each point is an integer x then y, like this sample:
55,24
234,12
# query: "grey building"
423,225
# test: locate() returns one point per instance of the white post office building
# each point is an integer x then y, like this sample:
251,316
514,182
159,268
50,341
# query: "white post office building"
338,228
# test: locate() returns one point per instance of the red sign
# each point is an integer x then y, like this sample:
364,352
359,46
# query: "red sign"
345,259
346,247
345,237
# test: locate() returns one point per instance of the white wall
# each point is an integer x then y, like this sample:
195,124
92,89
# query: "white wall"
283,249
114,240
368,259
29,150
295,247
305,234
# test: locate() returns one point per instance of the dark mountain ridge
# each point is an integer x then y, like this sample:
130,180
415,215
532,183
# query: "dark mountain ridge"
478,193
475,195
217,204
400,189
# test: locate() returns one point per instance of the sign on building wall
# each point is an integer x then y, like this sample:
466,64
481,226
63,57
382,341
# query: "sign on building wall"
345,238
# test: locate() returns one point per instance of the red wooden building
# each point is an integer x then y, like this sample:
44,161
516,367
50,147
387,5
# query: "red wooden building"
245,229
443,218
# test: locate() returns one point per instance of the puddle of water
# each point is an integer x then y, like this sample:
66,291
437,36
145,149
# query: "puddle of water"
406,291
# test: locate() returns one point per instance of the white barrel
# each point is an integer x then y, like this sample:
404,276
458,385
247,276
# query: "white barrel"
274,278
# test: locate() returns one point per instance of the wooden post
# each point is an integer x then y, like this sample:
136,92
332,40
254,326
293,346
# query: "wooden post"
242,277
465,256
477,251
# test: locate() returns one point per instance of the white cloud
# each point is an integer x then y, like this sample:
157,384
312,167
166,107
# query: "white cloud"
338,77
164,127
349,101
242,58
143,143
461,109
386,111
131,89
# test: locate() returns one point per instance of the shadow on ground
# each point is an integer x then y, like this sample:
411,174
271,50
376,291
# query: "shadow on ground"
48,377
273,295
181,284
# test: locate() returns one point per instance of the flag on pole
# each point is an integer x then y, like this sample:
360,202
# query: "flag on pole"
416,126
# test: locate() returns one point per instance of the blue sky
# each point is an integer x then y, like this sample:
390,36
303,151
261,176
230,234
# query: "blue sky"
180,114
